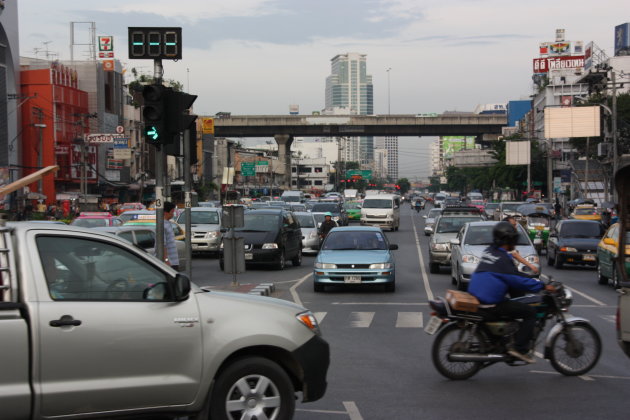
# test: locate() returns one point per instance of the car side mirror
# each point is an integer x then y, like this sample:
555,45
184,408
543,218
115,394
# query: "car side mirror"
424,217
181,287
393,247
454,241
146,243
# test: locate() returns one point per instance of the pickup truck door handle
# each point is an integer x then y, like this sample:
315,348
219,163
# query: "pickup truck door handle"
65,321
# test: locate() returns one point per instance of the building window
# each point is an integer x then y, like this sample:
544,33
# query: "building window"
319,170
318,182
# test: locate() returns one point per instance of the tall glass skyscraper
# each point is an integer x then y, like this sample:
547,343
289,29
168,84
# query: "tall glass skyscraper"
349,86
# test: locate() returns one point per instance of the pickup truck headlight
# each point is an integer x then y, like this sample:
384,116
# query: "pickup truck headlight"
272,245
470,259
532,259
212,235
326,266
439,247
309,321
568,249
380,266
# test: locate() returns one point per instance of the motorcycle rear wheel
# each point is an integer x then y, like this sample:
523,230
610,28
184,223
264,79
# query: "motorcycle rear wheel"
453,339
578,356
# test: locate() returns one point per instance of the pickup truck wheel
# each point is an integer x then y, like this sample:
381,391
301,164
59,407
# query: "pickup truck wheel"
252,387
434,268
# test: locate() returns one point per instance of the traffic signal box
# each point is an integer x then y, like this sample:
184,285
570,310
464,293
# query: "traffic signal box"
156,98
165,113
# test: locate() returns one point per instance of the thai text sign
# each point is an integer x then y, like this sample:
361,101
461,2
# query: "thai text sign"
546,64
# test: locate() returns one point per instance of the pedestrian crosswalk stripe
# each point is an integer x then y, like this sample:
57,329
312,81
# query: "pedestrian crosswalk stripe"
361,319
320,316
409,320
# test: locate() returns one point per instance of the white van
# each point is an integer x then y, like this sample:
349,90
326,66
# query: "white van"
293,197
382,210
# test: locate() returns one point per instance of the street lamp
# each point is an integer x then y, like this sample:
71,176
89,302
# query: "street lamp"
389,109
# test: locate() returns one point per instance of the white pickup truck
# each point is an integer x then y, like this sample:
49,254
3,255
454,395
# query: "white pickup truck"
93,327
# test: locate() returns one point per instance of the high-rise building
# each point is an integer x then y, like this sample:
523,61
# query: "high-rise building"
349,86
389,143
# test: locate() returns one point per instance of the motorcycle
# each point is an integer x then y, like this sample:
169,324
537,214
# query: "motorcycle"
467,342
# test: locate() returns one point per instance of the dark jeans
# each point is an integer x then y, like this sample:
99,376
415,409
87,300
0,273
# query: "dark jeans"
518,310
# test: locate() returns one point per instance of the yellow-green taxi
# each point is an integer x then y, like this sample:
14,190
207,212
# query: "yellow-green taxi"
607,251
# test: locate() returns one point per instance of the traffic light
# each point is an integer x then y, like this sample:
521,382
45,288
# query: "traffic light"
156,98
178,117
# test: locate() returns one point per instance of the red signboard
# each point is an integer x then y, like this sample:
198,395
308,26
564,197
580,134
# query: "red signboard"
544,65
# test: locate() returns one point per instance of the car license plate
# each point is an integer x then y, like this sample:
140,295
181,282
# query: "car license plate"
433,325
249,256
352,279
588,257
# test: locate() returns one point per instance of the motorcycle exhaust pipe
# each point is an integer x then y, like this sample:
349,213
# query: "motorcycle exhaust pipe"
470,357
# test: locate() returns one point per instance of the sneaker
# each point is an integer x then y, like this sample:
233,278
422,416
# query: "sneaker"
521,356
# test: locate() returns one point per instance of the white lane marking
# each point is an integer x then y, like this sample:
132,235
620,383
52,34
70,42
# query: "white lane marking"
293,289
382,303
361,319
539,355
321,411
425,278
320,316
582,377
409,320
585,296
586,378
353,410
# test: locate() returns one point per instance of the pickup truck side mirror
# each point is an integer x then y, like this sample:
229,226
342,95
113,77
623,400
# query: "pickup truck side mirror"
393,247
454,241
181,287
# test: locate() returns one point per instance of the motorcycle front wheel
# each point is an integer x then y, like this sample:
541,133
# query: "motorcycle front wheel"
453,339
575,350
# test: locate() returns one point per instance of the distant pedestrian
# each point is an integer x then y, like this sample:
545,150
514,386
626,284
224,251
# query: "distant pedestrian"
558,209
170,247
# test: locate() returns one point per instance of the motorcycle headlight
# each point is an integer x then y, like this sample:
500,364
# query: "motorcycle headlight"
336,218
533,259
439,247
272,245
325,266
566,300
212,235
380,266
309,321
470,259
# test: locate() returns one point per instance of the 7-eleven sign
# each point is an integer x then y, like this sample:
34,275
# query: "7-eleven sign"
106,43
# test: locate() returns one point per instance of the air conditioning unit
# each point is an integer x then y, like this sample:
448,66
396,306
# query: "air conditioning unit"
603,149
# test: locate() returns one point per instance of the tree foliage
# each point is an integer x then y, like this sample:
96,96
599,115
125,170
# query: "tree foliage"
404,185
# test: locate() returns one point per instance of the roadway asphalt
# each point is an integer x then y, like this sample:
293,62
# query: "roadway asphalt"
381,359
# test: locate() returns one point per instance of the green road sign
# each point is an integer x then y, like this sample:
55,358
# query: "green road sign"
248,168
363,174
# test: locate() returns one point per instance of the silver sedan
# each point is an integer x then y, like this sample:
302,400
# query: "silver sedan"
310,237
472,241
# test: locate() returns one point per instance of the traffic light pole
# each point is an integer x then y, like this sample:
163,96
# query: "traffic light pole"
160,158
188,201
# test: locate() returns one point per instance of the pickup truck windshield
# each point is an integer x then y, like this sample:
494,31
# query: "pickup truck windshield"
200,218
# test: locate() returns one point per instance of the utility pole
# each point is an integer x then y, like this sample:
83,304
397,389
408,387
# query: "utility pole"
614,129
40,149
588,139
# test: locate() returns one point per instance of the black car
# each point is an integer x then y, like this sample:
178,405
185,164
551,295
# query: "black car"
270,236
574,242
339,215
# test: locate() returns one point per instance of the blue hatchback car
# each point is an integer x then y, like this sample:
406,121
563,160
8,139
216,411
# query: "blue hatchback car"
355,255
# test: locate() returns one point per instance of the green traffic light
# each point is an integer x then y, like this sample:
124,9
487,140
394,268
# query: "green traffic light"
153,133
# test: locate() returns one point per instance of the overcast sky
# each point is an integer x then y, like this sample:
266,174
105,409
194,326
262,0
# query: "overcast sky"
259,56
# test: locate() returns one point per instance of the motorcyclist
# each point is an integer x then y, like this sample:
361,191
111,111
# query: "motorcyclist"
418,204
326,225
495,275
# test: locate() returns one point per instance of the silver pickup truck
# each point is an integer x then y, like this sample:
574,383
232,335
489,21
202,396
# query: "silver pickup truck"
91,326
